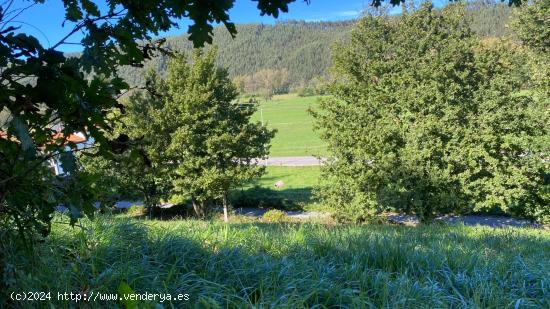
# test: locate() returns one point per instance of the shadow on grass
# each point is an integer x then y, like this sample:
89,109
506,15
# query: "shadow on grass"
259,197
251,198
294,265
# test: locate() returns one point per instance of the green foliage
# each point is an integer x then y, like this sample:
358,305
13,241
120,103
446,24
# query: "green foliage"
212,139
425,120
260,197
144,170
303,49
266,82
285,265
299,48
489,17
315,87
531,25
275,215
135,210
43,92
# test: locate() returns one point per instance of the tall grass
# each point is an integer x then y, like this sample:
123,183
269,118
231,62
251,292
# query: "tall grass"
290,265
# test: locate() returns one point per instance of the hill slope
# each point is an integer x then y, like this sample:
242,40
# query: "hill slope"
302,48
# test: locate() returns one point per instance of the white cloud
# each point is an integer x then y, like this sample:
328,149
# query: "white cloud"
337,15
349,13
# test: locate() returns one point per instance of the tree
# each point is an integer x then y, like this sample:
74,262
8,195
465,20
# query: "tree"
267,82
42,90
213,141
41,86
531,26
143,171
425,120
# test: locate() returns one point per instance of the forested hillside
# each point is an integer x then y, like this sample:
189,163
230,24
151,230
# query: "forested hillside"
301,49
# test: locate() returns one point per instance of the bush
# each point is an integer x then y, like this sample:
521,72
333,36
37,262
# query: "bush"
183,210
425,120
275,215
136,210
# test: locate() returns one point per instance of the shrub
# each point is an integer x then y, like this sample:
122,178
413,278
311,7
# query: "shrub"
425,120
136,210
275,215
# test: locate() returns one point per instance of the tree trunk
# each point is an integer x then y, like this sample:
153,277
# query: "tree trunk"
199,208
225,210
147,205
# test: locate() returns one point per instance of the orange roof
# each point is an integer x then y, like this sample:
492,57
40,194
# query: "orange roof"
76,138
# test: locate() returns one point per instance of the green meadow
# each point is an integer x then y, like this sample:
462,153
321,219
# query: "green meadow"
295,135
293,177
295,194
285,265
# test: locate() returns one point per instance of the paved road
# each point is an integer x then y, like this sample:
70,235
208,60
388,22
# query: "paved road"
292,161
258,212
469,220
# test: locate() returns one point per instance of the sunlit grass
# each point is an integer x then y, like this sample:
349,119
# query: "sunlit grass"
297,187
295,135
293,265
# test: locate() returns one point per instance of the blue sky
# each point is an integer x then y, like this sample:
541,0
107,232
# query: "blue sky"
45,21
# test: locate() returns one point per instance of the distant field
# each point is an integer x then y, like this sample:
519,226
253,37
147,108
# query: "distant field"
296,192
292,177
255,265
295,137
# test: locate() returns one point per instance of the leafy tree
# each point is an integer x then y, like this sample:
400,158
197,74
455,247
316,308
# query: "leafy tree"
266,82
531,26
425,120
41,90
41,86
301,48
143,171
213,140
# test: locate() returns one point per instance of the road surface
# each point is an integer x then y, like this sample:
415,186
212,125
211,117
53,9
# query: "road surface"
292,161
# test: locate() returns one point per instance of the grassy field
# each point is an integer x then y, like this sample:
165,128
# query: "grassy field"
296,193
258,265
295,136
292,177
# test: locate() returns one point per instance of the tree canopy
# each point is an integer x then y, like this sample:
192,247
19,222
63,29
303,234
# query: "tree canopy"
213,142
427,120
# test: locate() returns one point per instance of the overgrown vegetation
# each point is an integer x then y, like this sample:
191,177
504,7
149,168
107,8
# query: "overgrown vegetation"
46,96
423,116
426,119
288,265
